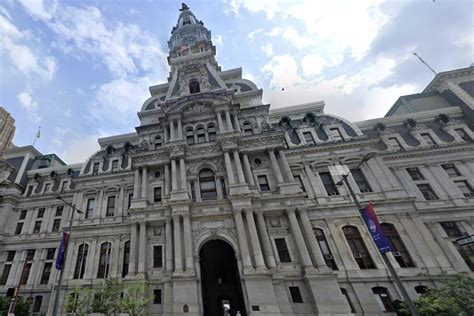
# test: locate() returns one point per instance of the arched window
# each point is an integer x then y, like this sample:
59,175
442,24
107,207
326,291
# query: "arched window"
158,142
104,260
201,134
189,135
383,299
126,258
194,87
324,246
37,304
358,248
247,128
211,132
401,253
207,184
81,261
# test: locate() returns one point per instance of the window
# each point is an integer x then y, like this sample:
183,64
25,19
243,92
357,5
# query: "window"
158,142
427,192
328,183
46,187
104,260
296,294
114,165
110,206
415,174
394,143
56,225
263,183
201,134
50,253
194,87
428,139
401,253
467,253
46,273
59,211
452,229
81,261
157,256
421,289
360,180
95,168
383,299
40,213
358,248
346,295
90,208
325,250
465,188
207,184
37,227
308,138
30,254
282,250
450,169
11,255
247,127
157,296
462,134
189,135
25,273
18,228
37,304
157,194
129,201
5,273
336,134
23,214
300,182
126,258
211,132
30,190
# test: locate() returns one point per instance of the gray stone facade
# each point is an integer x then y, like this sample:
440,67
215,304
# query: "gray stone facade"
211,162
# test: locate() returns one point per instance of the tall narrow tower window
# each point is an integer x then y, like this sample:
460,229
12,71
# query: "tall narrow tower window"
194,87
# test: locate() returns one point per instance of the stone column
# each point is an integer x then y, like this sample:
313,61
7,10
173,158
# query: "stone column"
165,129
144,183
219,121
167,179
241,236
132,265
286,167
188,243
197,192
276,167
266,244
120,201
169,245
174,176
248,171
172,130
228,122
142,249
178,261
238,165
180,129
228,167
182,169
312,241
257,251
136,185
236,123
296,231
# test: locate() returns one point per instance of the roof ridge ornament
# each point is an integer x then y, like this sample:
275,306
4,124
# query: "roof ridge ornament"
184,7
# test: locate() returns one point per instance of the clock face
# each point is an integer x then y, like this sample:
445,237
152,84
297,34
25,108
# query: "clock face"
190,40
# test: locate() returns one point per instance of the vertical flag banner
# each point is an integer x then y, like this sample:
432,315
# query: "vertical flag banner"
62,250
370,219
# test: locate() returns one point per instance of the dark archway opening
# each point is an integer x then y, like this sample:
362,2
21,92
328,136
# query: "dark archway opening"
221,287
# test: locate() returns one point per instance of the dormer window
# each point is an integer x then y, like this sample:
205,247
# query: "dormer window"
247,127
158,142
194,87
336,134
186,20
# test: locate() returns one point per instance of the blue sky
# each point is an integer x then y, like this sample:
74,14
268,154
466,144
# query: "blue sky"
81,69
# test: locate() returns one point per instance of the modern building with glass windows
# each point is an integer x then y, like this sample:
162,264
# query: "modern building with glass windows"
217,200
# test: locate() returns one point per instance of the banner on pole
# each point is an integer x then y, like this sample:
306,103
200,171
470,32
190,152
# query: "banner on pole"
61,252
370,219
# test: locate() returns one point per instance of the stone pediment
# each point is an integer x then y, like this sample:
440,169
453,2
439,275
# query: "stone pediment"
198,101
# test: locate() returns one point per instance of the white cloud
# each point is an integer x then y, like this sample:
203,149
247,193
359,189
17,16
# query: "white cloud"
312,64
253,34
40,9
283,71
77,150
267,49
29,104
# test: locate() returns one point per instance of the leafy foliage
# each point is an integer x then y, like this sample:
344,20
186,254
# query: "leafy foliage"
21,308
106,298
136,299
78,301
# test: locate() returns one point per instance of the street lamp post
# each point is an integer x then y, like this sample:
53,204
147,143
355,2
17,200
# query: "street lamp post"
58,287
389,265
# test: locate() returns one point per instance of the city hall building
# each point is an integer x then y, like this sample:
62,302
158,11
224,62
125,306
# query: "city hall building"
217,201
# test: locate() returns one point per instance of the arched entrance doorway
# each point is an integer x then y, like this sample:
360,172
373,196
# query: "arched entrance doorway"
221,287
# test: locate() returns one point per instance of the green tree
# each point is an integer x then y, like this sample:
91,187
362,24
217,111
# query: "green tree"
135,299
106,298
78,301
21,308
454,298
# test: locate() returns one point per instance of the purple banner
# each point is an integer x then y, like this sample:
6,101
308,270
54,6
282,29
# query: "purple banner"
61,252
368,213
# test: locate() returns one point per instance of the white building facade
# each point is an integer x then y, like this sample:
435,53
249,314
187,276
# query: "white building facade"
216,200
